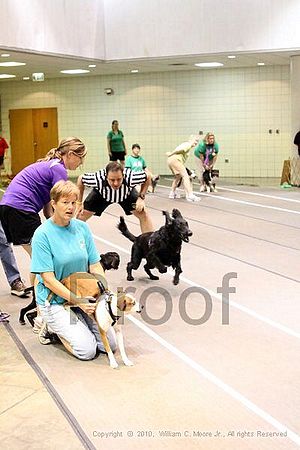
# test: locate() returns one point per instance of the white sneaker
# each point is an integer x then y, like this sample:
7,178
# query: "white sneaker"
174,194
192,198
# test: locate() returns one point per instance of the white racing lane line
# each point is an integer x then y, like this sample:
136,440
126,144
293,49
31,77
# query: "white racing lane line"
258,195
204,372
242,202
218,382
233,304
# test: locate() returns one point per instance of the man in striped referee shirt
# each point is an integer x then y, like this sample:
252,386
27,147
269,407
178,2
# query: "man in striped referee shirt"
115,185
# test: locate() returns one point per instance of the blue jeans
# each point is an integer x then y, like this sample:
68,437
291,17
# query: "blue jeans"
78,329
8,259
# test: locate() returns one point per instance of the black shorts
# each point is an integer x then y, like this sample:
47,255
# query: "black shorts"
115,156
1,160
18,226
97,204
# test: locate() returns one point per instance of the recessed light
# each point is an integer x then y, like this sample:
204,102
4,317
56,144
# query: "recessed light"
12,64
134,71
74,71
209,64
5,55
5,75
92,65
260,64
231,56
26,78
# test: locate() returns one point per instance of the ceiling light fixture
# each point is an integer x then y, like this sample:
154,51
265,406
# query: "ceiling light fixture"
134,71
209,64
12,64
231,56
74,71
5,55
5,75
92,65
260,64
26,78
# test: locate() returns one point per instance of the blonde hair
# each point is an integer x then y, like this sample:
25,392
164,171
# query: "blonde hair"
207,136
70,144
63,189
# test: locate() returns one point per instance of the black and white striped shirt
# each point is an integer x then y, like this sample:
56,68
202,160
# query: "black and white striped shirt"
98,181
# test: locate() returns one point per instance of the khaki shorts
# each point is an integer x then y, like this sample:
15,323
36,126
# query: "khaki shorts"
176,167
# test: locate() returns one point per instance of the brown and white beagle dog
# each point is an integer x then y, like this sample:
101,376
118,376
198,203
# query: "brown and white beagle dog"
110,308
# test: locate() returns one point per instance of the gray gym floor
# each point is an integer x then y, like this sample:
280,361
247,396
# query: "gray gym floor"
208,386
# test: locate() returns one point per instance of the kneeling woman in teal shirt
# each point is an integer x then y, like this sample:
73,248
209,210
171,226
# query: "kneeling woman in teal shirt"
61,246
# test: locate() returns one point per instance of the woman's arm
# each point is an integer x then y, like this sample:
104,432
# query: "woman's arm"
109,146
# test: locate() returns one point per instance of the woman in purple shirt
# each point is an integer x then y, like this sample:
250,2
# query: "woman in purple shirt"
29,191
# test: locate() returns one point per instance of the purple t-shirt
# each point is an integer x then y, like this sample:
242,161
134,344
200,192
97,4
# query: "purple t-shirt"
30,189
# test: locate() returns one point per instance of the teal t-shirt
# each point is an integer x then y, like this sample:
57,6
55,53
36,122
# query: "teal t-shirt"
62,250
135,163
116,141
202,147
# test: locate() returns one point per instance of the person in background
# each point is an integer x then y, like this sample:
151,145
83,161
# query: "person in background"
115,144
3,148
137,163
29,191
297,141
61,246
115,185
10,267
176,162
206,154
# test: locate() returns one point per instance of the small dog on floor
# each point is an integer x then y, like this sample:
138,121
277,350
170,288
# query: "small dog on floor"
109,309
161,248
154,181
109,260
209,180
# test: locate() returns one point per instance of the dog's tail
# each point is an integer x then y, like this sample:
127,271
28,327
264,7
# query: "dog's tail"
124,230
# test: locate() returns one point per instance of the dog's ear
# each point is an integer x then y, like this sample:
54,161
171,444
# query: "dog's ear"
176,213
168,218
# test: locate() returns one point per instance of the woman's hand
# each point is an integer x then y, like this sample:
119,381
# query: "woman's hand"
86,307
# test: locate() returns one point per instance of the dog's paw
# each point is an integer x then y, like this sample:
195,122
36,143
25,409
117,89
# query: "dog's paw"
128,363
114,364
130,278
176,281
163,269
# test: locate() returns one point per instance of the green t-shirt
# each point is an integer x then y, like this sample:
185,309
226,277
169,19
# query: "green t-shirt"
135,163
116,141
202,147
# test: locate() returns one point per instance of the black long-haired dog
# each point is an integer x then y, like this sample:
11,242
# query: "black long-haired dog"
109,260
161,248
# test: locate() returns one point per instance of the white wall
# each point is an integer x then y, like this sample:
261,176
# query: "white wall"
161,110
137,28
68,27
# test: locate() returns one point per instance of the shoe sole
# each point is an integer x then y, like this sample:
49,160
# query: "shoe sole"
21,294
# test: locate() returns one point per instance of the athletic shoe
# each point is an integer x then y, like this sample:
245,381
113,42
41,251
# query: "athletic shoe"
18,288
192,198
174,194
44,335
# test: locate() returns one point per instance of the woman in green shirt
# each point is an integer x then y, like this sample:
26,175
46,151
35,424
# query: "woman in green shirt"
115,144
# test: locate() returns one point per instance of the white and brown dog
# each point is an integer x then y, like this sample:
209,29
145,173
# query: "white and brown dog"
110,309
